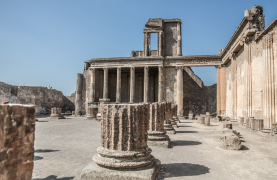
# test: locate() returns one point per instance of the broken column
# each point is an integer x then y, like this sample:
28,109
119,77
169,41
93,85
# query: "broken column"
123,145
207,119
17,135
201,119
174,119
230,141
241,121
190,115
92,112
167,116
56,113
78,100
156,133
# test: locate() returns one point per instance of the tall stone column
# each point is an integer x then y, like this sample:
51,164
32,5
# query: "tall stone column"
146,84
218,95
180,90
78,100
161,85
223,90
179,39
123,145
248,79
132,84
106,86
160,40
234,83
118,85
92,80
146,43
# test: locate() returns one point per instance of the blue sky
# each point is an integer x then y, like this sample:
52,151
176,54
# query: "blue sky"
45,42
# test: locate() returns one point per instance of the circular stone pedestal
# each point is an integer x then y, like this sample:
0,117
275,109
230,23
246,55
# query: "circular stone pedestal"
176,119
173,123
158,138
169,129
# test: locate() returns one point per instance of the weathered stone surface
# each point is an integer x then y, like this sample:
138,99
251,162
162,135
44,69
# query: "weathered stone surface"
168,115
201,119
230,141
56,113
92,112
17,135
156,133
228,125
207,119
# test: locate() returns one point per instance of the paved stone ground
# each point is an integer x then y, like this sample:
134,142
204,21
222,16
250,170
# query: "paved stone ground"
64,147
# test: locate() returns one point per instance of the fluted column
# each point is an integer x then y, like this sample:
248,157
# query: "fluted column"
92,80
161,84
118,85
146,84
180,90
105,89
132,84
179,40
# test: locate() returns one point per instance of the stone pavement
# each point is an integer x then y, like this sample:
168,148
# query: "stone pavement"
64,147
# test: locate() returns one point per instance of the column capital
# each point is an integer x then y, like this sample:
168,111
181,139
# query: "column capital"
105,68
92,69
179,67
132,68
160,67
118,68
233,55
146,67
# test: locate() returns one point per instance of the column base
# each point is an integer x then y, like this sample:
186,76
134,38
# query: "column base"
169,129
90,118
104,101
95,172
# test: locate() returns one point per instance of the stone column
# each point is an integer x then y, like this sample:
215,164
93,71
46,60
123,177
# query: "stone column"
146,84
92,112
156,133
146,42
56,113
160,40
234,83
132,84
92,80
118,85
179,39
168,114
180,90
106,84
207,119
123,144
78,100
218,95
161,85
223,90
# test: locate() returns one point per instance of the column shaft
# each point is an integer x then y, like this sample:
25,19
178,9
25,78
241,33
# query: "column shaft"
92,80
118,86
161,84
180,90
179,40
132,84
146,84
79,88
105,89
160,44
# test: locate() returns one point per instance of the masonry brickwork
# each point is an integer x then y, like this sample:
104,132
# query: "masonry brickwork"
17,135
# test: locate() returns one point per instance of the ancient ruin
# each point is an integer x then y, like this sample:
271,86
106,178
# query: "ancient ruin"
56,113
123,144
17,135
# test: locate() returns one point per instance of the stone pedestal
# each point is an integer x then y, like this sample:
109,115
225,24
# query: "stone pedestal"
273,129
167,123
256,124
241,121
56,113
190,115
228,125
123,144
207,119
201,119
156,133
230,141
92,113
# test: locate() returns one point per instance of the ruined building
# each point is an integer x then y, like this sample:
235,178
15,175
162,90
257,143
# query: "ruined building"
161,75
246,73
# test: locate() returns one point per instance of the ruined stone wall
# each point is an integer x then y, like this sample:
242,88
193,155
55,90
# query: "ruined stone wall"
170,40
42,97
17,135
198,99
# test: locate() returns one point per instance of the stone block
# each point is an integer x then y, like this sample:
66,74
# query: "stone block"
207,119
228,125
56,113
230,141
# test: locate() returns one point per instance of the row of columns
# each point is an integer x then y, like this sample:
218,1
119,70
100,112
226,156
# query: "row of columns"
146,86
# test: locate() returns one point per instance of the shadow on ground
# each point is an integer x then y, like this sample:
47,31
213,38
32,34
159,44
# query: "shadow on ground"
37,158
186,131
45,150
244,148
185,143
184,126
183,169
52,177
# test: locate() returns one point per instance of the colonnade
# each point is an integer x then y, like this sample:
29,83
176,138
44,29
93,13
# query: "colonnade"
161,86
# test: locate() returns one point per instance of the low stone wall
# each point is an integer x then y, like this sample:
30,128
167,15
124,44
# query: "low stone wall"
17,135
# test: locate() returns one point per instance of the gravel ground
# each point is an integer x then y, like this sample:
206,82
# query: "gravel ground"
64,147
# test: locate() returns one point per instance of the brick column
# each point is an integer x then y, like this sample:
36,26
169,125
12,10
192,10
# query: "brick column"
132,84
146,84
167,115
124,137
118,85
180,90
17,135
92,86
161,84
78,100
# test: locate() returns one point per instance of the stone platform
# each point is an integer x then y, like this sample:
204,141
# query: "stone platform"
96,172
